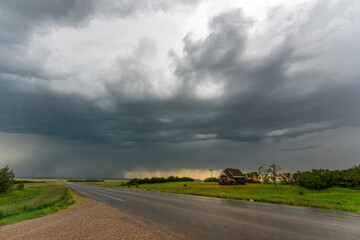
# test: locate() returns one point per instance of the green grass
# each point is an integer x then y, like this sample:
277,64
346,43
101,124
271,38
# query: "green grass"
38,199
106,183
333,198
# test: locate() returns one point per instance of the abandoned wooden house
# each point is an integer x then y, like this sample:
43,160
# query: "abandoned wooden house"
231,176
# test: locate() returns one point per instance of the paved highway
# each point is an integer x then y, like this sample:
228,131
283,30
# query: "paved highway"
196,217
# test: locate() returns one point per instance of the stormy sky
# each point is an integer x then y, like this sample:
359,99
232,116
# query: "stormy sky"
121,88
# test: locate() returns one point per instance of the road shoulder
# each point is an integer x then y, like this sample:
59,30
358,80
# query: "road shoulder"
88,220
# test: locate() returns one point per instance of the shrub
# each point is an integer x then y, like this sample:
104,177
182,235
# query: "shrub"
324,178
6,179
211,179
316,179
349,177
19,186
251,180
285,178
252,177
295,178
27,181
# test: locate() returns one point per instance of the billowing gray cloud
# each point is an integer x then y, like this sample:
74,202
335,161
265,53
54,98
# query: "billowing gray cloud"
224,92
261,96
245,82
300,148
20,21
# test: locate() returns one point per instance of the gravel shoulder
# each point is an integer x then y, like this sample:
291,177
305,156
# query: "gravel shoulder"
88,220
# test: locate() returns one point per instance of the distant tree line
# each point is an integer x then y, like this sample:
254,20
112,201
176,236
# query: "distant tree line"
85,180
211,179
324,178
314,179
27,181
137,181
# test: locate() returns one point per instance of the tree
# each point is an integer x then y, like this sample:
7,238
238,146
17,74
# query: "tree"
285,178
295,178
252,177
274,169
264,173
19,186
316,179
6,179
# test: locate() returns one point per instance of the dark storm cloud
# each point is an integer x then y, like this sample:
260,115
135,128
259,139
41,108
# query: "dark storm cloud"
272,105
34,112
254,98
300,149
46,156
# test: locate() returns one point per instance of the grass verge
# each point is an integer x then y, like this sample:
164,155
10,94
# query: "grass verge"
38,199
333,198
106,183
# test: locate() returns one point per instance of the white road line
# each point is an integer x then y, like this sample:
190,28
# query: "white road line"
103,188
107,196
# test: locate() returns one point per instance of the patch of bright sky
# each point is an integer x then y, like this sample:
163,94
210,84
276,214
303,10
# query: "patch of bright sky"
85,54
194,173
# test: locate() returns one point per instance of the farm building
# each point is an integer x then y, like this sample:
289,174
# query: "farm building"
231,176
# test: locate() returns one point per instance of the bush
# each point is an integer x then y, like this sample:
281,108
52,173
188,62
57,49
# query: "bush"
316,179
252,177
295,178
285,178
27,181
19,186
324,178
6,179
349,178
211,179
251,180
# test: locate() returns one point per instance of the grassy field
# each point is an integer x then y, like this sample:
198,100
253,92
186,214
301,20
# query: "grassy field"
333,198
106,183
37,199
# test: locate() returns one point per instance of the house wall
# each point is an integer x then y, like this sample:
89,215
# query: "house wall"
240,181
223,180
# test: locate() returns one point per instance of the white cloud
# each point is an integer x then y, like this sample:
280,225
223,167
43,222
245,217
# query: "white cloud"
209,90
206,136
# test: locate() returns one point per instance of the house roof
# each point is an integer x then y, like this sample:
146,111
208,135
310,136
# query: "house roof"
233,173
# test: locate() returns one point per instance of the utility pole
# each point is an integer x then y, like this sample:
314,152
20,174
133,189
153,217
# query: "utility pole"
210,169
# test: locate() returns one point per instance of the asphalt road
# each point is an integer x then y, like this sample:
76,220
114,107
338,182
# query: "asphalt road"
196,217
